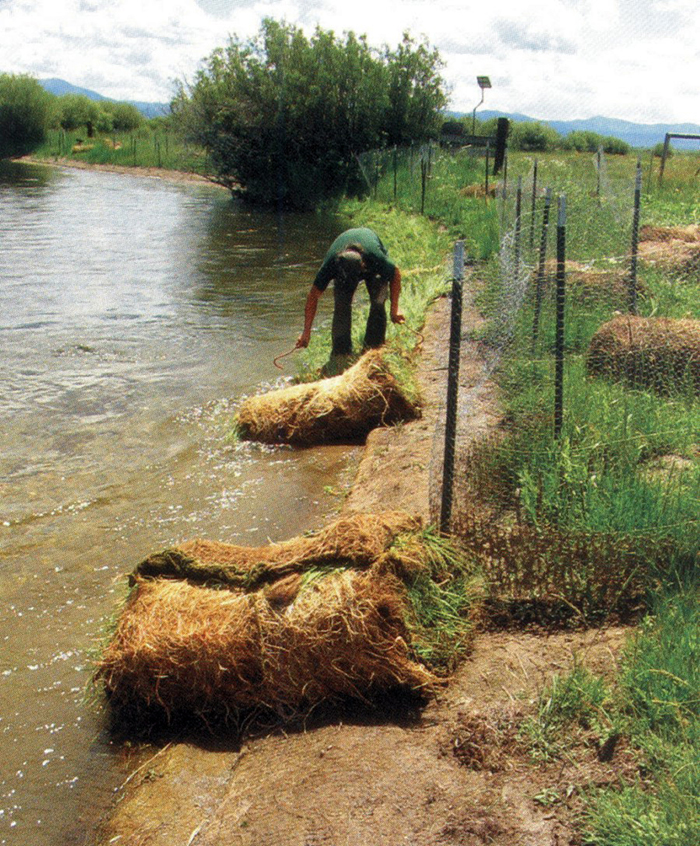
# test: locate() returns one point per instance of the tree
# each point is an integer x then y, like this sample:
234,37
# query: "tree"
77,111
284,115
416,92
24,114
125,116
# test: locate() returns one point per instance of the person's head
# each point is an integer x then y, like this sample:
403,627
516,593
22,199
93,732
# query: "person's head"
350,266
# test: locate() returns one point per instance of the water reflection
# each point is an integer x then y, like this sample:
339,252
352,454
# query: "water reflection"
24,178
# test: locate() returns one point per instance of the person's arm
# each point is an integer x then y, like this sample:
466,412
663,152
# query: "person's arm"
394,293
309,314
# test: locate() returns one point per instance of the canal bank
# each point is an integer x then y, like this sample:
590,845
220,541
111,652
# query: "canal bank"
396,772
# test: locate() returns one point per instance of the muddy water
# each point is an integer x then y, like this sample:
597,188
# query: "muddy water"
133,315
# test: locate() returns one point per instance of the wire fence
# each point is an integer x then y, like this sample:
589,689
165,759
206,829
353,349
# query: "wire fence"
591,352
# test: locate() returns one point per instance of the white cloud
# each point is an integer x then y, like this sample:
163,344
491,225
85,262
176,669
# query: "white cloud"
635,59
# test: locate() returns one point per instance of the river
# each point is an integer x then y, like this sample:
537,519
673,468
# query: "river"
134,314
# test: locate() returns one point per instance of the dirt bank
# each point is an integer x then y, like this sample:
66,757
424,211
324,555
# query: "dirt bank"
453,772
175,176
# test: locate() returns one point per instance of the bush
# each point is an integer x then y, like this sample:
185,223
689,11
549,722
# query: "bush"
125,117
615,146
658,150
283,116
24,114
534,137
583,141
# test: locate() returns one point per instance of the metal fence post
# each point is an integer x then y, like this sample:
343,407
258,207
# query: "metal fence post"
539,285
532,210
486,174
635,239
559,336
452,390
518,208
664,156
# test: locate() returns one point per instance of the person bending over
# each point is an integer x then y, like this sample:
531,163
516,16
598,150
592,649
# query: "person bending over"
357,255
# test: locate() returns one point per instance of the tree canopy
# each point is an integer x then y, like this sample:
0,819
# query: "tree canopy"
24,114
283,115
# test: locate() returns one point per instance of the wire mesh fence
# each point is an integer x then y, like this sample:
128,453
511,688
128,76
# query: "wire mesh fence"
590,347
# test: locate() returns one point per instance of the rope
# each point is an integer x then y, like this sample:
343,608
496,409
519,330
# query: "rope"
283,355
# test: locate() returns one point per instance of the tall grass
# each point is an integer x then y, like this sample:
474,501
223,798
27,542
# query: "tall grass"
660,701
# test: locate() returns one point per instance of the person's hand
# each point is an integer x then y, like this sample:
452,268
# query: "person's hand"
397,317
303,340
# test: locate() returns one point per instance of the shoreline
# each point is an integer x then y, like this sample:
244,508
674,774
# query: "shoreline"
174,176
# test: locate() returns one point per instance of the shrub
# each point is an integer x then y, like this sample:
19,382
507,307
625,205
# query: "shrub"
283,116
24,114
534,137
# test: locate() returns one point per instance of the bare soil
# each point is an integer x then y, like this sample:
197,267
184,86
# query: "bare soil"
452,771
175,176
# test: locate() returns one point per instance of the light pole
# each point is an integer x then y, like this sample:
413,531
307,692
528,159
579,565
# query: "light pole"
484,82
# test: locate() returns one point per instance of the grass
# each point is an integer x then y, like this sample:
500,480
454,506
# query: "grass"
654,705
141,148
605,473
659,703
430,181
442,594
578,700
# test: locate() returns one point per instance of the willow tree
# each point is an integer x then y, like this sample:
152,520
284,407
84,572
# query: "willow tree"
284,115
24,114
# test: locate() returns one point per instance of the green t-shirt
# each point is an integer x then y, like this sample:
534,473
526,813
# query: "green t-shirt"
374,254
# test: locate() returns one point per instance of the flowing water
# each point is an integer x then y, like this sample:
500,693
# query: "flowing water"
133,315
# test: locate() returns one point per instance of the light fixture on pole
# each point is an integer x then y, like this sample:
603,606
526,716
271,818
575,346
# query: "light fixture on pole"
484,82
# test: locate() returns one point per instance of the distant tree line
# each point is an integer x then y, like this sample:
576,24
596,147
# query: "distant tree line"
534,136
283,116
27,112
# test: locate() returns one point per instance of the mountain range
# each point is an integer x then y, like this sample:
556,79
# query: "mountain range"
636,134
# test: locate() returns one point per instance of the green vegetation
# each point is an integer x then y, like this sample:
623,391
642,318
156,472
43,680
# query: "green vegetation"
621,484
652,706
625,464
283,116
571,704
154,144
537,137
24,115
435,182
442,593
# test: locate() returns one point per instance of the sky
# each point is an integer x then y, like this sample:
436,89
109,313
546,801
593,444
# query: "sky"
636,60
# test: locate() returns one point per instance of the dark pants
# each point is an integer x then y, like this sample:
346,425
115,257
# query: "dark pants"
375,332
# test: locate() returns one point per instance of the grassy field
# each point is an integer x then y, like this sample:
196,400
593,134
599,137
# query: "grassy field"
144,147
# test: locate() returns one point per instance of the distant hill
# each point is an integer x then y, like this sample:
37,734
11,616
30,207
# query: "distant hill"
642,135
59,87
